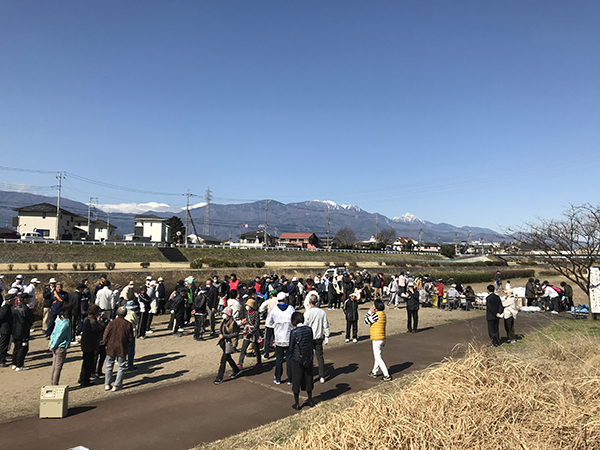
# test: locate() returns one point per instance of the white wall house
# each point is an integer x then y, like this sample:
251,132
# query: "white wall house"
41,218
150,228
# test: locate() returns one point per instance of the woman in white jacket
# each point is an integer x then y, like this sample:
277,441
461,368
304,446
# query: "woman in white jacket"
510,314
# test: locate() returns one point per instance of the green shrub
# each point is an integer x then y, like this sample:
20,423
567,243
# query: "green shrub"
145,264
10,267
483,276
74,266
109,265
33,267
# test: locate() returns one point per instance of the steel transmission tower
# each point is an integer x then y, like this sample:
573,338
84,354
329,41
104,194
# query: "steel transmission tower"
207,198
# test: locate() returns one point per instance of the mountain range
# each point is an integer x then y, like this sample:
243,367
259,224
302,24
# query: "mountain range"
229,221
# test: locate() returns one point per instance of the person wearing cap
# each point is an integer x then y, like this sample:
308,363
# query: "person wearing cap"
59,343
280,318
132,317
128,292
251,324
265,308
6,326
452,298
92,330
412,307
144,303
153,294
100,284
228,338
117,337
350,308
22,319
161,295
19,284
48,294
59,298
30,289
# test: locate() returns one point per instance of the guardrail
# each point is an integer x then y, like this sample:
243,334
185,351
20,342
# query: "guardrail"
160,244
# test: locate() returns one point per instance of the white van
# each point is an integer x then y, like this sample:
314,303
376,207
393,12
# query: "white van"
32,237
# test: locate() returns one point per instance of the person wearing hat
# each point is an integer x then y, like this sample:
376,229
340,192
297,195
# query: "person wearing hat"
144,303
161,295
59,298
92,330
6,326
264,309
48,294
228,338
280,318
117,337
30,289
412,307
251,325
22,319
19,284
128,292
132,317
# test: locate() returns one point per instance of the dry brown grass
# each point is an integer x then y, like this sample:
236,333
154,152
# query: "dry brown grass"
546,397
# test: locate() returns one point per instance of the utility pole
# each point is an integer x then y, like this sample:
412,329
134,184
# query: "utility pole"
108,227
60,175
420,234
456,242
208,198
328,223
266,210
376,223
89,230
187,213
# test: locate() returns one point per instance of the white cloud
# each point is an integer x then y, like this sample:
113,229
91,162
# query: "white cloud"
138,208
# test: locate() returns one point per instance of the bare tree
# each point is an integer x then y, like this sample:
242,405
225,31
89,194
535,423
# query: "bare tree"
345,238
386,237
570,245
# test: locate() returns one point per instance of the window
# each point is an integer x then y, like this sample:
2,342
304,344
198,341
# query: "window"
43,215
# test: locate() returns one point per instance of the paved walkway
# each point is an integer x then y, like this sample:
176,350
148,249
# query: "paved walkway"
184,415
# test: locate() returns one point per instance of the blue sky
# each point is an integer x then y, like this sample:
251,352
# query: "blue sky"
482,113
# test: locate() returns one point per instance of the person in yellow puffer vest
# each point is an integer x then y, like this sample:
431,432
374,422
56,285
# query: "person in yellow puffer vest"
376,319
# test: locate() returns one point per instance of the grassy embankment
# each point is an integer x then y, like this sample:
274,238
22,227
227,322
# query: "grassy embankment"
541,393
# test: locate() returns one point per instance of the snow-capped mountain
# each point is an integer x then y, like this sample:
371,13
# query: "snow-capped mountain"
330,205
408,218
141,208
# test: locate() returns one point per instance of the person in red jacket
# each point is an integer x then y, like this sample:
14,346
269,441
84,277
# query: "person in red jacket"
440,293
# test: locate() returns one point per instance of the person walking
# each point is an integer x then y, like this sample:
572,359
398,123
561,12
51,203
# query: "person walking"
412,308
228,338
60,339
92,330
377,319
251,324
494,311
117,337
350,308
301,351
394,291
316,319
178,311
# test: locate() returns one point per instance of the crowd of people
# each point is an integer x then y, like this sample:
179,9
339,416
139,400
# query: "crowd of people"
106,320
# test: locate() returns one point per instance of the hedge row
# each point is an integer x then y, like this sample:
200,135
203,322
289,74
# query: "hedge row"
447,264
215,262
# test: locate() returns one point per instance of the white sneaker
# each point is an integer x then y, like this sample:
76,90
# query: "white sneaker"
180,330
13,367
116,388
322,380
347,340
74,342
107,387
354,340
554,312
149,332
22,368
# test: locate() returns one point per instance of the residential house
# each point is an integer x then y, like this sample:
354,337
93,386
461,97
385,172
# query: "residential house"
254,239
403,244
149,228
41,218
203,239
303,240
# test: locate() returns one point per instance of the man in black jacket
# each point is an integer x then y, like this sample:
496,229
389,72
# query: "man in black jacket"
494,310
6,327
213,304
199,311
530,292
412,308
178,309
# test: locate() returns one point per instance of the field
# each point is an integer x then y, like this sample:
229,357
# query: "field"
543,393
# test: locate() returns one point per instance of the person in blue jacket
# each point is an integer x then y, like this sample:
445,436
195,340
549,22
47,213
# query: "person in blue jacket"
60,339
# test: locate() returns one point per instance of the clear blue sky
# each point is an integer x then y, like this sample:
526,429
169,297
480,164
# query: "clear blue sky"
481,113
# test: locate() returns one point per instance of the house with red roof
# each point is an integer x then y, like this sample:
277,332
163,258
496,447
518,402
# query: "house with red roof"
303,240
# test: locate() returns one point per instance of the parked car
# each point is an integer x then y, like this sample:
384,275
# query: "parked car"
335,271
7,233
32,237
